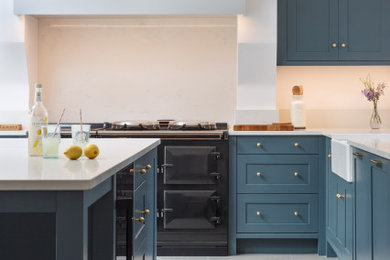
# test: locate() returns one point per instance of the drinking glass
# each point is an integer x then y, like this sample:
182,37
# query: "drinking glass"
80,135
51,139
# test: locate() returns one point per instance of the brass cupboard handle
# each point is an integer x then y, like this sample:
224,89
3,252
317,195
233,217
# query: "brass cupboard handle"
330,155
258,174
296,174
131,171
258,144
358,154
142,171
343,45
258,213
146,211
339,196
147,167
296,144
296,213
334,45
140,219
376,163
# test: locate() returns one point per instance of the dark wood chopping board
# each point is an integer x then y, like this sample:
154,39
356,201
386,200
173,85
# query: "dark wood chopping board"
271,127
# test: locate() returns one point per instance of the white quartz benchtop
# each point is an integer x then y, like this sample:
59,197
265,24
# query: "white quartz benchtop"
377,146
21,133
332,133
18,171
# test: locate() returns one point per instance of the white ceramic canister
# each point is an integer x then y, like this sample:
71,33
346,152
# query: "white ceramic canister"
297,110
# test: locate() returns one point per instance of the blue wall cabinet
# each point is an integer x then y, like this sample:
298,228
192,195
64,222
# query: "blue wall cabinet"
372,206
340,201
276,187
333,32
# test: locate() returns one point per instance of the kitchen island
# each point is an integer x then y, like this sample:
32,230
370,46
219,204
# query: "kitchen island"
63,209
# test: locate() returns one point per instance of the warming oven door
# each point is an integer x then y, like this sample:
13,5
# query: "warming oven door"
191,165
195,209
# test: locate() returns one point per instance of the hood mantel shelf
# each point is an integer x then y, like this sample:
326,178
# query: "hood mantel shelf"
129,7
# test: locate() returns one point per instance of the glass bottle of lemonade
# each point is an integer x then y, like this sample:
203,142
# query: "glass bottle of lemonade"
37,118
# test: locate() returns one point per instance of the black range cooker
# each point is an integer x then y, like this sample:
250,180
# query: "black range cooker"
192,183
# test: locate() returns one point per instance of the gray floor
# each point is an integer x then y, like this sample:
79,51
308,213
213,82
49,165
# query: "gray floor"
252,257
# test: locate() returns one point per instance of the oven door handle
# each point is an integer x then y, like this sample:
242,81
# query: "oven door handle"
217,155
217,175
217,219
166,165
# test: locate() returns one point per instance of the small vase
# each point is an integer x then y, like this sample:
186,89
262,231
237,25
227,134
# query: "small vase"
375,122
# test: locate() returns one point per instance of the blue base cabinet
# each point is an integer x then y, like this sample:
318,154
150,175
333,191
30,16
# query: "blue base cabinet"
372,173
340,218
276,192
333,32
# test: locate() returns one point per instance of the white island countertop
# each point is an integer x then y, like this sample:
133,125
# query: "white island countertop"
19,171
377,146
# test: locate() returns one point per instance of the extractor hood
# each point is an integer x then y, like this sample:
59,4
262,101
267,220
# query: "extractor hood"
129,7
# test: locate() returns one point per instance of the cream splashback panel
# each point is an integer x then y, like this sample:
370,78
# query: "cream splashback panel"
145,67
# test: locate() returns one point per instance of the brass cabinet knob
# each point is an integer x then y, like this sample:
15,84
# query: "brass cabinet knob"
339,196
258,144
147,167
376,163
329,155
142,171
343,45
258,213
359,155
334,45
140,219
146,211
258,174
296,213
296,144
296,174
131,171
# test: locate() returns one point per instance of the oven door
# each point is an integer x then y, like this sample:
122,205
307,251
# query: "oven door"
194,209
191,165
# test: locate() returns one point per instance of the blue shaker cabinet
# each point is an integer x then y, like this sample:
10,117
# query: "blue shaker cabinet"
372,237
340,201
276,186
333,32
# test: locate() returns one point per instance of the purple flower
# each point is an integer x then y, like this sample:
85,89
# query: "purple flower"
371,92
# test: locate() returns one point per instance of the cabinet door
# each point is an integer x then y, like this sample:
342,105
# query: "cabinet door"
363,242
381,211
311,30
364,29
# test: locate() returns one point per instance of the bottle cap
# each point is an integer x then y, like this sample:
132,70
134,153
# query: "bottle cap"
297,90
38,85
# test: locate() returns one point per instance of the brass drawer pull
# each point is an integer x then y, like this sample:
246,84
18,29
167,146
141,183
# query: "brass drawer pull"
258,144
296,144
258,213
344,45
142,171
359,155
334,45
339,196
258,174
146,211
140,219
329,155
296,213
376,163
131,171
147,167
296,174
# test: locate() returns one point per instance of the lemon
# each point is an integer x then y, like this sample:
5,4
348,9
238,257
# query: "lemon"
91,151
73,152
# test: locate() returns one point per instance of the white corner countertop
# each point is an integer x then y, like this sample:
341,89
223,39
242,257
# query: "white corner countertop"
21,133
19,171
331,133
378,146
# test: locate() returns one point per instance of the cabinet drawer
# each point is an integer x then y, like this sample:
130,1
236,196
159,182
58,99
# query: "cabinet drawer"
278,213
277,174
277,145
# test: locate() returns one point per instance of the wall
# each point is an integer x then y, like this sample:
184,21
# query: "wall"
257,37
140,67
332,94
13,67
